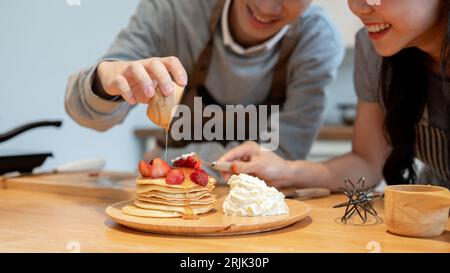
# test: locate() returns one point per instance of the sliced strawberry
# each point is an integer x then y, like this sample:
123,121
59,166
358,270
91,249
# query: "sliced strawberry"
198,165
199,177
188,162
179,163
175,177
145,168
159,168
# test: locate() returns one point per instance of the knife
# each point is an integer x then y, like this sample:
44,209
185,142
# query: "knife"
304,194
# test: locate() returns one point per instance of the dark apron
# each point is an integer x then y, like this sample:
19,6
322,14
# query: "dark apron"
196,86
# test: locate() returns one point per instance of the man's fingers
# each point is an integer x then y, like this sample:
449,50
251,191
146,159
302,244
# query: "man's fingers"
120,85
243,152
244,167
176,69
143,88
232,155
159,72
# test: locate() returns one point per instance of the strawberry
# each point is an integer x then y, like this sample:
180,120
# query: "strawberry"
175,177
188,162
156,168
198,165
199,177
144,168
159,168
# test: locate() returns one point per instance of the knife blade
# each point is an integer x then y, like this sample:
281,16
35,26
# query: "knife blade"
304,194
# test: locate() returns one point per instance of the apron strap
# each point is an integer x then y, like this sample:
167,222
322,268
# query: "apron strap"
201,67
279,86
277,95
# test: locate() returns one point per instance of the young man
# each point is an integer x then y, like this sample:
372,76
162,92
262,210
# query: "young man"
272,52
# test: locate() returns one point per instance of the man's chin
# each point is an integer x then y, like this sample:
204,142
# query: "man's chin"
262,36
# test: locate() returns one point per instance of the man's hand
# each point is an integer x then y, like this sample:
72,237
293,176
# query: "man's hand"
136,81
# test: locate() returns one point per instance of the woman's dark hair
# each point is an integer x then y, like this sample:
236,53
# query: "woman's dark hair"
404,84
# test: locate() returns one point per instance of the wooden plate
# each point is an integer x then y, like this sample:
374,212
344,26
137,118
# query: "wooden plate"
213,223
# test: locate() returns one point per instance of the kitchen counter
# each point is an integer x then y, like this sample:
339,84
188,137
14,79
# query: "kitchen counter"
40,221
327,132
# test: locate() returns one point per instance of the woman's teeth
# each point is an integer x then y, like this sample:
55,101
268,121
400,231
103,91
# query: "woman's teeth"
378,28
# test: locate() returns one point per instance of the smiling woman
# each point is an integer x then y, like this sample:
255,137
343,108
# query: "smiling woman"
401,79
414,46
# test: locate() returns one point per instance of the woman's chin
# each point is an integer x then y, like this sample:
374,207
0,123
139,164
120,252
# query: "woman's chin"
386,51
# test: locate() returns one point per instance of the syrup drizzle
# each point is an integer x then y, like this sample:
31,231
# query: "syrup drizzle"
188,211
165,149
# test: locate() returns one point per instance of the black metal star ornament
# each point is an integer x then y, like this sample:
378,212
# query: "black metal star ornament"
359,200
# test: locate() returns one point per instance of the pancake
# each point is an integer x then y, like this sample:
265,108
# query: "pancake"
202,201
187,184
156,198
136,211
148,188
175,196
195,209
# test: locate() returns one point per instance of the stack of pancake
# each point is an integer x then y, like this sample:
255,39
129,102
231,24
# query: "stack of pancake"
157,198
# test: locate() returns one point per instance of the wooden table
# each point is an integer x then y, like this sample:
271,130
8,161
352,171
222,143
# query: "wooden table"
39,221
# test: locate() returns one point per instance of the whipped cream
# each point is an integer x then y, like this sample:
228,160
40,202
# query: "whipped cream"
250,196
184,156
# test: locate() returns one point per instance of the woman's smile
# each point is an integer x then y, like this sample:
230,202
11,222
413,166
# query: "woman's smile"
377,30
399,24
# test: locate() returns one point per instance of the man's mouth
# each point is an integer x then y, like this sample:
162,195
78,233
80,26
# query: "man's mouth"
261,19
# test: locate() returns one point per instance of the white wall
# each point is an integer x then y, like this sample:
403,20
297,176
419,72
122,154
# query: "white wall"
341,14
41,44
341,90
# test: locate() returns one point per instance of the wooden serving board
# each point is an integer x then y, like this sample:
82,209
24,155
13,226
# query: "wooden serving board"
106,185
214,223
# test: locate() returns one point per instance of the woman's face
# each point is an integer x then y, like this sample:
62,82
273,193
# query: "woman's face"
397,24
259,20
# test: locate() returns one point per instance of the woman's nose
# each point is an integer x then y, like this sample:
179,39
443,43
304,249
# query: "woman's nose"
270,7
360,7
